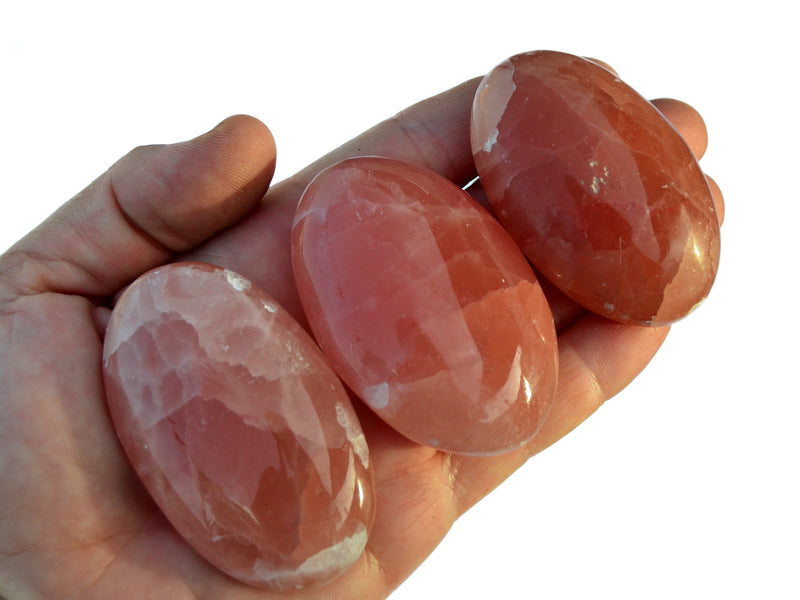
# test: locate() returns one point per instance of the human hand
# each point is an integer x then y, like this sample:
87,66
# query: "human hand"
74,520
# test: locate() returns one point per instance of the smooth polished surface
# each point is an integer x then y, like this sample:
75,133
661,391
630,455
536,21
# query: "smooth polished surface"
240,431
596,186
425,306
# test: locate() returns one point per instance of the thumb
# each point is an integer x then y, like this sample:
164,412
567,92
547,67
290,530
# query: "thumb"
152,203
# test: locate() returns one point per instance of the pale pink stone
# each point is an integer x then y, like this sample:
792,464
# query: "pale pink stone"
240,431
425,306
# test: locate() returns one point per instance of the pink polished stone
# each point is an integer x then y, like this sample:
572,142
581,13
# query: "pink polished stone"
596,186
240,431
425,306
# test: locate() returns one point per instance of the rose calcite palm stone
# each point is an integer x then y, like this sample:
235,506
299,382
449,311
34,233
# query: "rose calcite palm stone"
424,306
595,185
238,428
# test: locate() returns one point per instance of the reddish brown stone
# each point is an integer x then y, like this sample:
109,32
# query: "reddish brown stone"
240,431
425,306
596,186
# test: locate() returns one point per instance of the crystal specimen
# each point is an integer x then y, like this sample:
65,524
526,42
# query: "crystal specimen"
596,186
425,306
241,432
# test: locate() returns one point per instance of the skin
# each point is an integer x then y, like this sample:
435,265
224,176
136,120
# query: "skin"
74,520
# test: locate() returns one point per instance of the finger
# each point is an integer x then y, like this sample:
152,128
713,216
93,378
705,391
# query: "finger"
687,121
155,201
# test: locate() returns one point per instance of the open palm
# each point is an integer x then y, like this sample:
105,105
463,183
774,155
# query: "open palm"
74,520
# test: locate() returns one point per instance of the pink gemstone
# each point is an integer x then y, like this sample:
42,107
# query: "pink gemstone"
596,186
425,306
242,434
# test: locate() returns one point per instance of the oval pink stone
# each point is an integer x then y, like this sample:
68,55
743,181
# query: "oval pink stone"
425,306
242,434
596,186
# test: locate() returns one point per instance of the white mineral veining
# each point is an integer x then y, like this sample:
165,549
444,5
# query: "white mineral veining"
338,556
320,566
354,434
237,282
148,403
377,396
491,141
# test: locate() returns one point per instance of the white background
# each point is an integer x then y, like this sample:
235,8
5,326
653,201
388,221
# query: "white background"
683,486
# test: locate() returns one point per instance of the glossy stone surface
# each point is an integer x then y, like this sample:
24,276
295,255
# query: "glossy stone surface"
596,186
242,434
425,306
